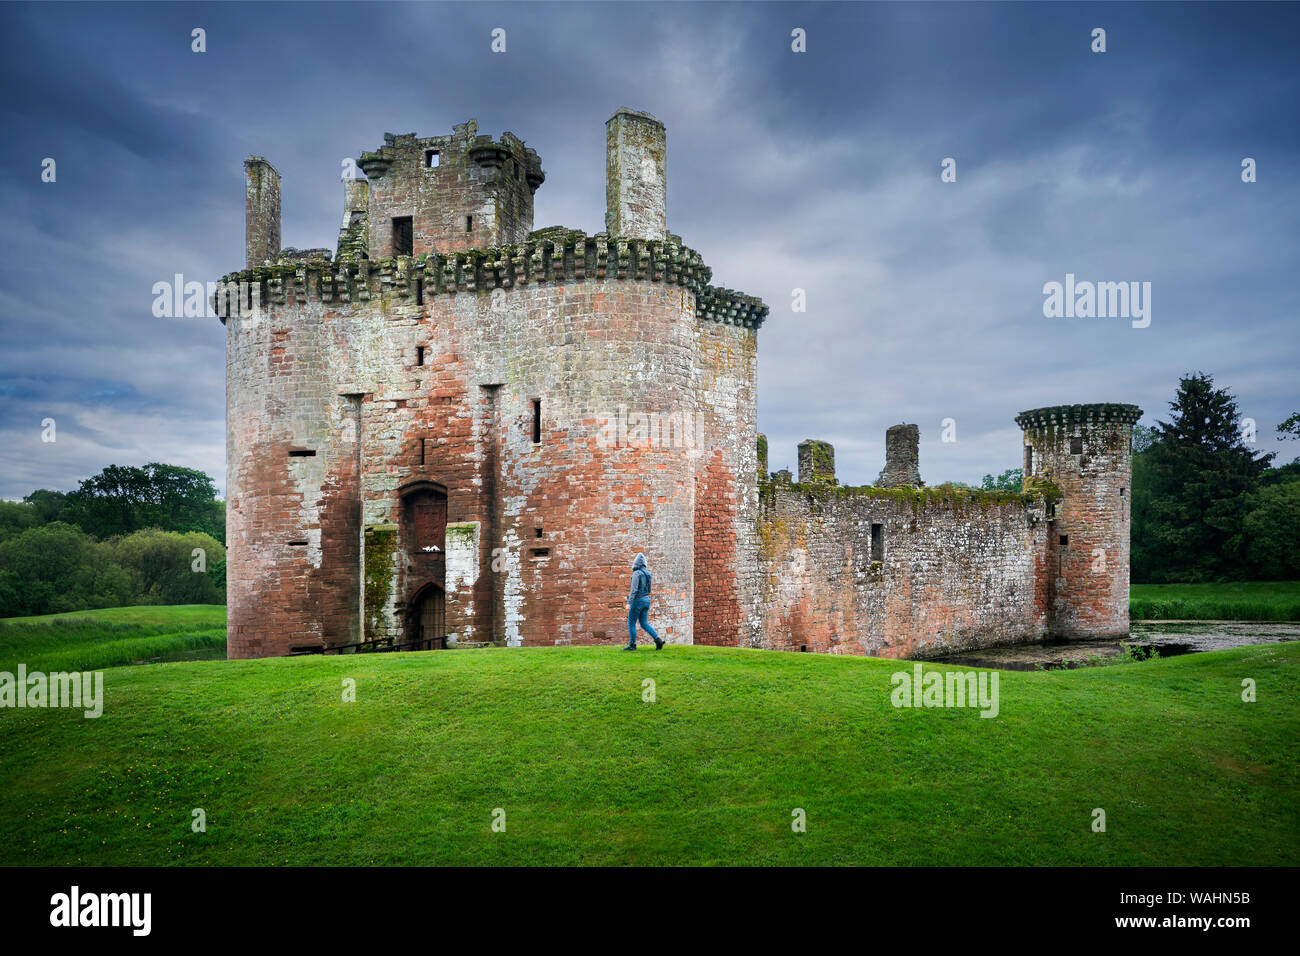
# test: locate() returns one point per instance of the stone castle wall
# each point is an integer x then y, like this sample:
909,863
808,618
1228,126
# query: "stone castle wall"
503,418
414,375
942,570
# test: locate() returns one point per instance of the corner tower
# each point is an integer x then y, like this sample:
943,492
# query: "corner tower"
1086,450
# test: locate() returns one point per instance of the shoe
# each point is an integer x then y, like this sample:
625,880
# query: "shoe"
630,647
659,645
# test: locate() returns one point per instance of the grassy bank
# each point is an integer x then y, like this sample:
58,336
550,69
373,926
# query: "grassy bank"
587,772
1239,601
90,640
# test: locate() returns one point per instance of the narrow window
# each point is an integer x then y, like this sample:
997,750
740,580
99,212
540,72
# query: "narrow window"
419,291
403,236
469,223
302,453
422,444
539,532
419,355
1076,445
1121,492
877,542
537,421
539,554
431,159
1029,460
297,544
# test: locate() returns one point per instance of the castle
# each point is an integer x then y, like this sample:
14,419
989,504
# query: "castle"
458,425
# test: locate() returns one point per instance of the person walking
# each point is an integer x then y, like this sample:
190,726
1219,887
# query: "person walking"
638,604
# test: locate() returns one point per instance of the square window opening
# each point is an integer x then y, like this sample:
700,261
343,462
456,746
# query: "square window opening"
403,236
432,158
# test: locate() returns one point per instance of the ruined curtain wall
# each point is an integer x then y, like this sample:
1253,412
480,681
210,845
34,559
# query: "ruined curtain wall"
955,572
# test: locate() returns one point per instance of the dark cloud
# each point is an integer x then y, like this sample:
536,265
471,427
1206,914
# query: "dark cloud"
816,171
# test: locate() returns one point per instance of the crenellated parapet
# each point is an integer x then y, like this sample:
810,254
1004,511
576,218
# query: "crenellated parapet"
549,255
1055,416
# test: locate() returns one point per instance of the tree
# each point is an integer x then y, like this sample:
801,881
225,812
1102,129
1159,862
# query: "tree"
1198,474
1143,438
122,499
1272,528
48,505
1010,480
1290,429
16,518
56,567
165,569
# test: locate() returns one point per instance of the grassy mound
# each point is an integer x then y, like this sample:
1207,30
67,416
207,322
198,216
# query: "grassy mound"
91,640
587,771
1234,601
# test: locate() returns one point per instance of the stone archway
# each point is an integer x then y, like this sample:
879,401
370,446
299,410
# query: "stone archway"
426,615
424,543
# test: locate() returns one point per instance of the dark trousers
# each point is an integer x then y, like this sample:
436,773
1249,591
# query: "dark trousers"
638,613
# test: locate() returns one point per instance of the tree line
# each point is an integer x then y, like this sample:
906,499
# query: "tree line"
1208,504
129,535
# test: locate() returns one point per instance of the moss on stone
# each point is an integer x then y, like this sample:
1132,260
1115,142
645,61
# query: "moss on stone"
381,541
462,532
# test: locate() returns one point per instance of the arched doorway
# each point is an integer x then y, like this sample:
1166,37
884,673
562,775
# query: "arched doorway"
424,542
426,615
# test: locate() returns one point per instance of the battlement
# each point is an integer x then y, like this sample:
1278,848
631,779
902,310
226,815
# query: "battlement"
464,144
1054,416
549,255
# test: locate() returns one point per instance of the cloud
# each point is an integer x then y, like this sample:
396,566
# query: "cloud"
817,171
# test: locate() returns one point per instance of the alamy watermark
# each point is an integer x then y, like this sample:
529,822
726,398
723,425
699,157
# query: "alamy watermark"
946,689
84,689
641,428
1098,300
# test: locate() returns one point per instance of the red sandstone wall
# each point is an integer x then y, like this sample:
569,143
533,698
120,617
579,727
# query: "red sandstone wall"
292,521
726,486
954,575
596,353
1090,572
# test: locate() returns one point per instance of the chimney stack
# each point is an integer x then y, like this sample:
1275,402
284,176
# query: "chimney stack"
261,212
636,176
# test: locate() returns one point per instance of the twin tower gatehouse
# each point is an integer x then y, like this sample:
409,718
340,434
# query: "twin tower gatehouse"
457,429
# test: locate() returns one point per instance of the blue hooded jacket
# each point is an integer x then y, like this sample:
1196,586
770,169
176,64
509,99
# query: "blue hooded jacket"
641,581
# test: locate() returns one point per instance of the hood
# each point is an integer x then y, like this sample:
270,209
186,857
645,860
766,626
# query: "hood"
639,562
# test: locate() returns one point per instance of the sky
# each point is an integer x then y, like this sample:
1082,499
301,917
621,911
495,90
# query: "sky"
817,171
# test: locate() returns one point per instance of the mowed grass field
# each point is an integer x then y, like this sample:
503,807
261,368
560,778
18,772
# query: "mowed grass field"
561,745
89,640
1233,601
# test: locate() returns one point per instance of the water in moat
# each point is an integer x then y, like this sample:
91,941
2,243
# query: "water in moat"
1163,638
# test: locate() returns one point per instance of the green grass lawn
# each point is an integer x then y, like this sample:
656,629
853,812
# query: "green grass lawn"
89,640
1236,601
589,773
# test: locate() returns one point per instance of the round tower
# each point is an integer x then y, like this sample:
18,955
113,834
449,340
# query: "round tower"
1086,451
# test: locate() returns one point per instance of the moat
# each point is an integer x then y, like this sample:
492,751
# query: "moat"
1165,638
